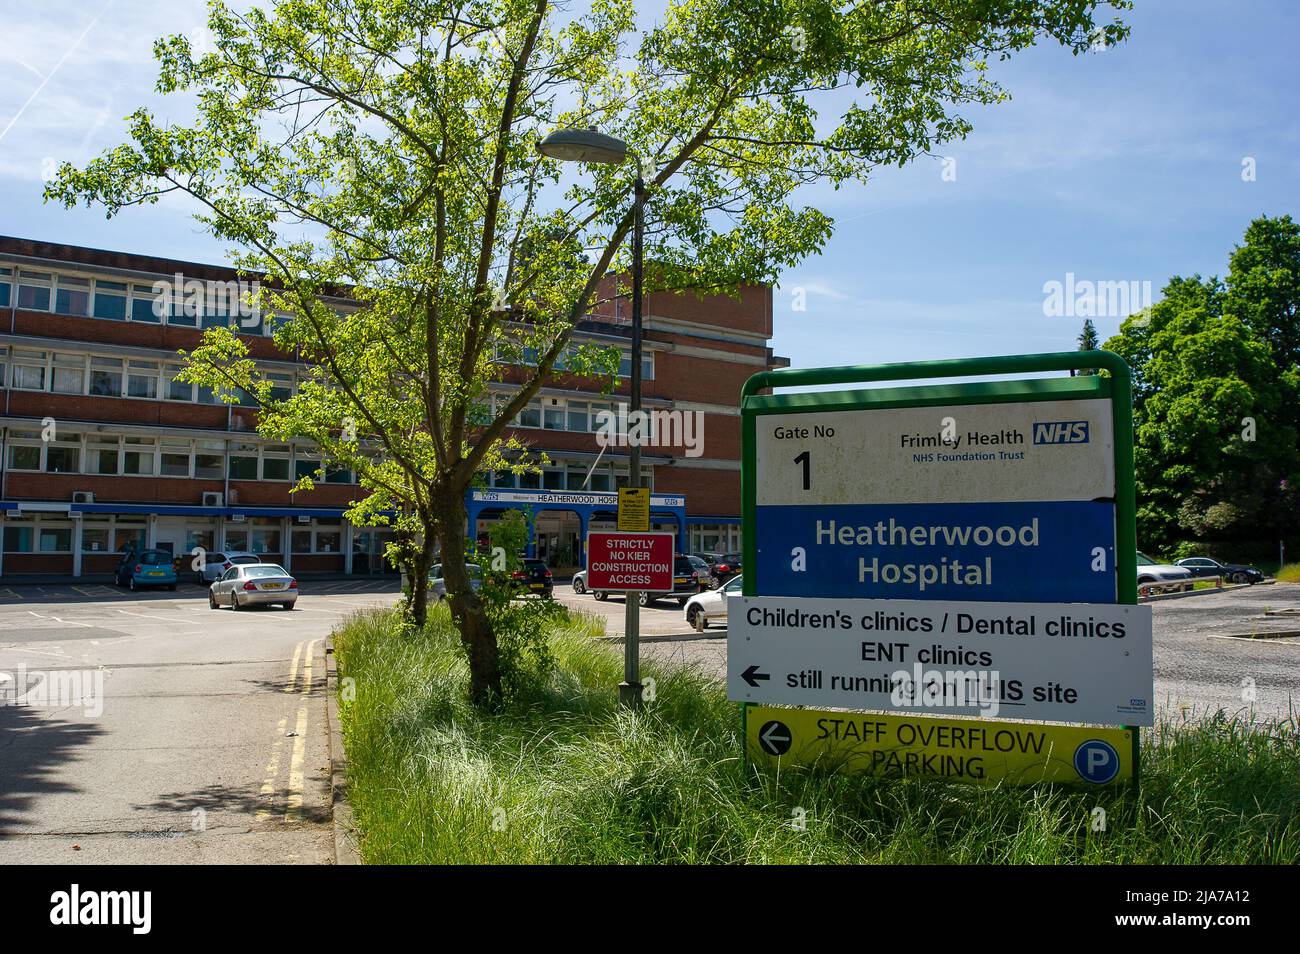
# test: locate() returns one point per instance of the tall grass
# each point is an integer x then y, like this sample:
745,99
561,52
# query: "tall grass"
565,776
1290,573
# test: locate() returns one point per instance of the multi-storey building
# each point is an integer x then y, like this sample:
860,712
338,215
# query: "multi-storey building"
101,447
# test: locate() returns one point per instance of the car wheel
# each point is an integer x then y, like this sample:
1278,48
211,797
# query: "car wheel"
130,583
695,616
287,606
212,601
643,598
234,602
599,595
579,587
1238,578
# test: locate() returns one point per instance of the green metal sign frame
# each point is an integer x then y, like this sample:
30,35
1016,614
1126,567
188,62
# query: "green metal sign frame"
1118,388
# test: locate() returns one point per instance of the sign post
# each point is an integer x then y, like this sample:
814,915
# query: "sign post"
947,549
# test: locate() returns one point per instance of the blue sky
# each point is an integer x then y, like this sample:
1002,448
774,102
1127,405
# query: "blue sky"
1121,165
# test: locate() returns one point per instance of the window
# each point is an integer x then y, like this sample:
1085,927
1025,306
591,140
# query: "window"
243,462
337,475
237,540
138,456
577,416
305,466
531,415
142,379
530,481
110,300
4,365
145,305
95,534
177,390
55,540
575,476
647,365
34,290
73,296
128,532
210,460
275,462
553,415
552,479
63,454
24,456
208,396
328,541
503,478
6,283
106,377
68,375
175,458
265,535
102,455
300,541
29,370
281,385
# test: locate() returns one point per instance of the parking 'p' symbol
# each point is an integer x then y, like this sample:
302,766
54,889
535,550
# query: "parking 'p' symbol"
1096,761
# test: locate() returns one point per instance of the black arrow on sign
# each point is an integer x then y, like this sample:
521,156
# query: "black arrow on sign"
752,676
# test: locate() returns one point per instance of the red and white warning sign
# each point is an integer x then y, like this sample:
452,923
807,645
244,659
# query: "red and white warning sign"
630,561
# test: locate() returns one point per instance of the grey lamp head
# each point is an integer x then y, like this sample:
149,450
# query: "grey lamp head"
583,145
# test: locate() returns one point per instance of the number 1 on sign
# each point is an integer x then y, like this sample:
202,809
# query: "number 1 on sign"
806,460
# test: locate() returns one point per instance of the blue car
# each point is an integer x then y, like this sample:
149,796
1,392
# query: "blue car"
146,568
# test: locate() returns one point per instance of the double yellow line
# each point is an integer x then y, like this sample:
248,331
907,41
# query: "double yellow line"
300,681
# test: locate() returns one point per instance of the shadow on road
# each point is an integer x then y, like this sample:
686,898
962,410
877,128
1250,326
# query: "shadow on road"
35,752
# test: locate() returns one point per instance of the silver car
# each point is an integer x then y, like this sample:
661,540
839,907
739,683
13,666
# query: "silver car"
438,586
254,584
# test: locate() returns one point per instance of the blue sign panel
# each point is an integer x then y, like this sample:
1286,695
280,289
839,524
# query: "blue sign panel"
1050,552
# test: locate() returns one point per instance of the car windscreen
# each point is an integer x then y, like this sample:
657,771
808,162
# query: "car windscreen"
256,571
682,566
155,557
1144,560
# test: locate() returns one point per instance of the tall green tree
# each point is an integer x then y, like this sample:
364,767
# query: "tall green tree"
1088,341
389,146
1216,374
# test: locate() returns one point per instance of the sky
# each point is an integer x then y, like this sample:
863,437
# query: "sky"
1128,164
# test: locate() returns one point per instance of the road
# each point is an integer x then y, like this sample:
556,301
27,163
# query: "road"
211,745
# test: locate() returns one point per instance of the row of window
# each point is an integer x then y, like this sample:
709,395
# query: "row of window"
204,305
69,372
571,475
110,533
111,455
531,356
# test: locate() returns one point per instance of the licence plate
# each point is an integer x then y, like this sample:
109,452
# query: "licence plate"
272,586
154,573
679,579
537,586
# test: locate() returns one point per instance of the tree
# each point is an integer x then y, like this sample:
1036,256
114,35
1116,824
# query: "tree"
1088,341
389,146
1215,398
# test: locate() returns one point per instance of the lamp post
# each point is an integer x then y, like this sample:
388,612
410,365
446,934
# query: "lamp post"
588,145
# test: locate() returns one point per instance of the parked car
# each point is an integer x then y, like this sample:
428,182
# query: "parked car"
703,572
723,565
1232,572
684,584
438,586
140,568
711,605
1161,576
580,582
215,564
254,584
534,577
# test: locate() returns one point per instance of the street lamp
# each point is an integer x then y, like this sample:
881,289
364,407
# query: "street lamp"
587,145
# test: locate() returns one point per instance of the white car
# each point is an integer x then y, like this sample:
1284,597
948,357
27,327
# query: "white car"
216,564
1161,576
711,604
256,584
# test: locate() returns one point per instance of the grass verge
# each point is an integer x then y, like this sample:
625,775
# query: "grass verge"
564,776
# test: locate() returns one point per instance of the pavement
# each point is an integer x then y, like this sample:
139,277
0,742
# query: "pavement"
173,733
167,732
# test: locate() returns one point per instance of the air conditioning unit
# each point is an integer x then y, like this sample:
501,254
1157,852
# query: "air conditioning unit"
212,498
83,497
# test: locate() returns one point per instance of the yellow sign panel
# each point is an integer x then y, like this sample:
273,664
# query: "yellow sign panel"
633,509
970,750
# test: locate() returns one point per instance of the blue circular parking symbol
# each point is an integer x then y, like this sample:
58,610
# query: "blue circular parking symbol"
1096,761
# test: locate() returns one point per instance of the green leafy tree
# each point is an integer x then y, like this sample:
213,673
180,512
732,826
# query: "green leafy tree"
388,147
1215,409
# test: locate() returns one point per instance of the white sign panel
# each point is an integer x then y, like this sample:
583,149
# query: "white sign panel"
1050,662
551,497
969,453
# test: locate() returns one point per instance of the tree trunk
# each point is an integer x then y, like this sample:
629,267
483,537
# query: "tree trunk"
467,609
417,576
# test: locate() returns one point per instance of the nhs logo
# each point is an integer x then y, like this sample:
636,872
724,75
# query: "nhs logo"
1061,432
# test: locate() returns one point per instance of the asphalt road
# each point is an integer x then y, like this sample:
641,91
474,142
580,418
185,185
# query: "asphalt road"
169,732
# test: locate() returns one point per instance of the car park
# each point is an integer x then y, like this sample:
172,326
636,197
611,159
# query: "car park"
144,568
215,564
254,584
711,605
1153,576
438,585
1231,572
